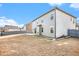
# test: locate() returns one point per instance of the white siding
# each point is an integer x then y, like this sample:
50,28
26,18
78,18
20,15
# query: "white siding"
47,24
24,28
63,23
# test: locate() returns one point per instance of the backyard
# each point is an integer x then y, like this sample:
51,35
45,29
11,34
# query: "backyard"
32,45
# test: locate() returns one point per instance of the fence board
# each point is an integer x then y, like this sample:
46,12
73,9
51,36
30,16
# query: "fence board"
73,33
12,32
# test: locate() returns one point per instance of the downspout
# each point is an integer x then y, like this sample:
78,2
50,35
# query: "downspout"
55,26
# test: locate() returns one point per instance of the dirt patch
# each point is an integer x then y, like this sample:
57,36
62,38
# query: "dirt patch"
36,46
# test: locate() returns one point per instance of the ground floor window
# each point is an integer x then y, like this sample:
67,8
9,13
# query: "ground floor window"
51,30
42,29
35,30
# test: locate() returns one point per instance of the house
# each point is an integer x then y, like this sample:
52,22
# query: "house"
24,27
55,23
2,29
11,28
29,27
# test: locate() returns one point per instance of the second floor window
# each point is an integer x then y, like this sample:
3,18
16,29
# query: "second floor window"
72,20
51,17
41,21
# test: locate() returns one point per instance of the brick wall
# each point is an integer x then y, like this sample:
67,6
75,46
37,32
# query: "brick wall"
29,27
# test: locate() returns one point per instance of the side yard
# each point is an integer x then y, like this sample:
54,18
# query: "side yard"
36,46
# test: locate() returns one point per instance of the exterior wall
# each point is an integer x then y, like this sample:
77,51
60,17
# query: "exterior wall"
2,29
24,28
29,27
46,23
7,30
63,23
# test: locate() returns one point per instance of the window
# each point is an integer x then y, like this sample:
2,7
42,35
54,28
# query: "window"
72,20
41,21
37,22
42,29
51,30
52,17
35,30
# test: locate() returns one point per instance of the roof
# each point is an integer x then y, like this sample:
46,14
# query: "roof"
55,9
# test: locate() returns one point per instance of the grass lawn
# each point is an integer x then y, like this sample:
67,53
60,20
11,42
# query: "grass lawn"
30,45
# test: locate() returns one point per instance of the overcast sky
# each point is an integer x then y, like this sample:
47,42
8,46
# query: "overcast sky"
20,13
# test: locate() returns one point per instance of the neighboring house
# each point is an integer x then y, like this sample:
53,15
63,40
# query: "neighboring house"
11,28
55,23
77,26
2,29
24,27
29,27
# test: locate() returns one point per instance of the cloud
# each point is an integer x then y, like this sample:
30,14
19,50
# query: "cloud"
7,21
75,5
0,5
55,4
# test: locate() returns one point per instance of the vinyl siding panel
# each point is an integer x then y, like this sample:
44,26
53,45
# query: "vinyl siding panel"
46,24
63,23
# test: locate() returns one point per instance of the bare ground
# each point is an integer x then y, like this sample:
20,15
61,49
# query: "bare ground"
29,45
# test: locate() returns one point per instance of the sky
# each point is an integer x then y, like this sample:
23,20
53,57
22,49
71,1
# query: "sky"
23,13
